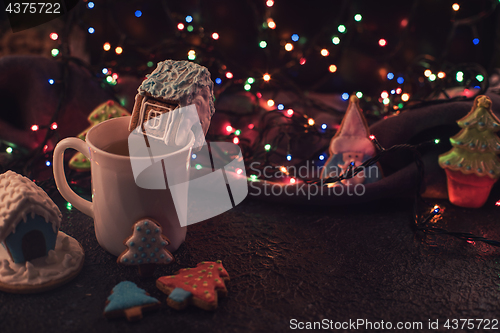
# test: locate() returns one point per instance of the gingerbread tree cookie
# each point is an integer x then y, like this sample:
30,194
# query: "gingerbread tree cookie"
199,286
146,247
105,111
128,300
472,166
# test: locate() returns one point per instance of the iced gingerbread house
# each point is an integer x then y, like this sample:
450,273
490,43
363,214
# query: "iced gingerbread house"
171,86
29,219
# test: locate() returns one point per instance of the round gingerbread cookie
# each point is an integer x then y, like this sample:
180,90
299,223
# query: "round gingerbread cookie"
60,266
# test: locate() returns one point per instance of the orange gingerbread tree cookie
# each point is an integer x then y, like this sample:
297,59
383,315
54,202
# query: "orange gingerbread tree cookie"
146,247
199,286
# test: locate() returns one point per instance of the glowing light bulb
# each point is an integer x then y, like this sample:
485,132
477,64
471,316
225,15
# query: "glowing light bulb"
51,81
239,171
332,68
479,77
336,40
250,80
288,157
90,5
266,77
341,28
405,97
229,128
281,107
138,13
359,94
382,42
262,44
324,126
398,91
432,77
384,94
310,121
54,52
460,76
91,30
191,55
198,167
53,126
69,206
386,101
237,132
9,150
302,61
293,180
118,50
393,92
455,7
253,178
104,71
251,126
247,87
54,36
270,102
441,75
190,28
295,37
271,24
288,47
321,157
109,79
324,52
47,163
345,96
390,76
284,169
358,17
269,3
475,41
289,112
236,140
193,156
106,46
372,137
436,141
229,75
189,19
267,147
427,73
400,80
497,203
215,36
218,80
180,26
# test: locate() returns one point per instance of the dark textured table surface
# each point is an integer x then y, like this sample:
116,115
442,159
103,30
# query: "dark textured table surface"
291,262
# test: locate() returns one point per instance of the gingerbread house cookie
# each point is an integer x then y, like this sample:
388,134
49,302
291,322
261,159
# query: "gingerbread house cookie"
161,98
34,256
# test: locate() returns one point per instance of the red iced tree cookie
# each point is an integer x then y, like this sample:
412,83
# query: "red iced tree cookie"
146,247
472,165
199,286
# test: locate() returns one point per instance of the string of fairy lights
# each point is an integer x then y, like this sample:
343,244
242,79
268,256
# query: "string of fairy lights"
425,81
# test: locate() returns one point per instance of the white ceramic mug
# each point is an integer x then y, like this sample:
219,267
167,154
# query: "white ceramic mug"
117,201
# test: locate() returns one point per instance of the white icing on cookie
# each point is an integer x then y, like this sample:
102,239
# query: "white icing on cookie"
20,197
60,262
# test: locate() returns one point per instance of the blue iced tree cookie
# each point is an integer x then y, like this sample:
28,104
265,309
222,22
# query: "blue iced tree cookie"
128,300
351,145
146,247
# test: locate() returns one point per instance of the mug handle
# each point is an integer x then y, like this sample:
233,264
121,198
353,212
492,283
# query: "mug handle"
85,206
